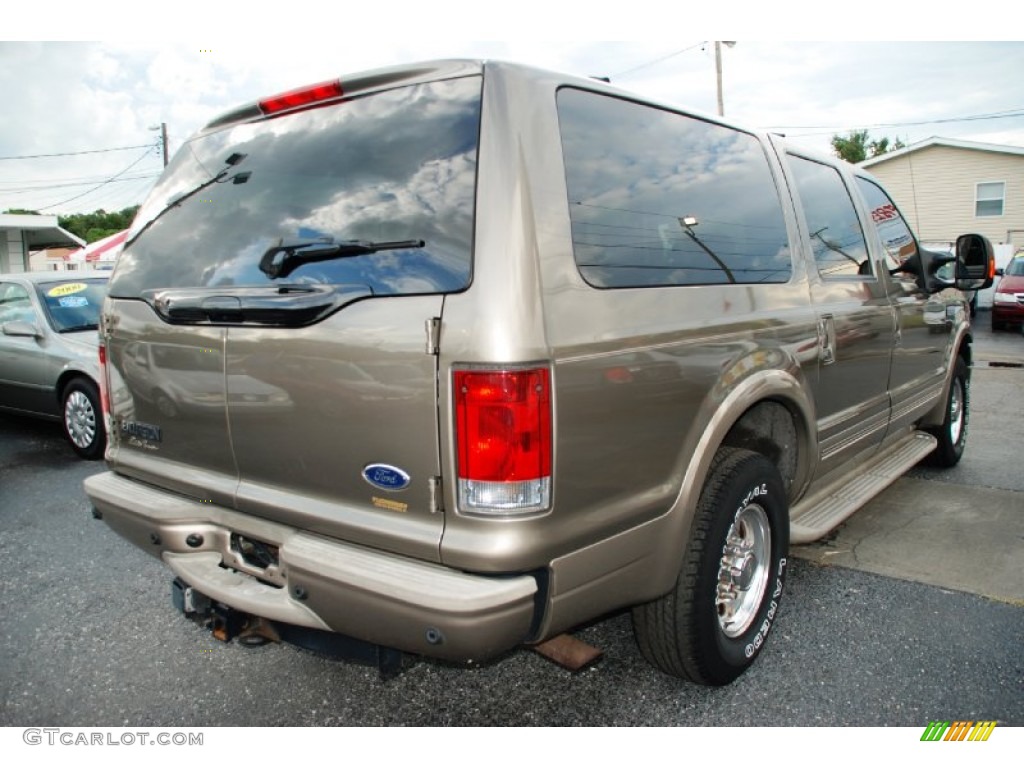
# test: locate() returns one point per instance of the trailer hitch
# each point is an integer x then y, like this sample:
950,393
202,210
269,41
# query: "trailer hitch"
227,624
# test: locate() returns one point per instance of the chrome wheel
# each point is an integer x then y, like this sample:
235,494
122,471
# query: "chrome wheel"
743,570
956,411
80,419
714,623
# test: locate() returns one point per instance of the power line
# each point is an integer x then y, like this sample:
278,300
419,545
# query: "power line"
44,187
90,179
825,129
659,60
138,160
81,152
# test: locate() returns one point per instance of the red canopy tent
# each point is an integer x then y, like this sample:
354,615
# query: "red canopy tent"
105,250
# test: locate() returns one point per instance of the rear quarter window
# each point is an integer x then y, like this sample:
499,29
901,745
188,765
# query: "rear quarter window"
658,198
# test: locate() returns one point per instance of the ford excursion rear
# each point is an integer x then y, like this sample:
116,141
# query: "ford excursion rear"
451,358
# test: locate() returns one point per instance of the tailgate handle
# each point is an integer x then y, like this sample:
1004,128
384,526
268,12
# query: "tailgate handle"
222,308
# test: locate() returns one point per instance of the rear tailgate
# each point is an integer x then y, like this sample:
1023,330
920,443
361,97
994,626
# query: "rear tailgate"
334,426
169,416
272,315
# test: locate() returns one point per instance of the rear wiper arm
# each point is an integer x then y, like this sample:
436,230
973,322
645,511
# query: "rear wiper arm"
83,327
284,258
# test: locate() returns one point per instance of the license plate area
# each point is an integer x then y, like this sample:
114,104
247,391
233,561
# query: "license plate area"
255,557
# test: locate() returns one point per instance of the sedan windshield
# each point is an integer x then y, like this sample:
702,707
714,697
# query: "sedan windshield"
73,305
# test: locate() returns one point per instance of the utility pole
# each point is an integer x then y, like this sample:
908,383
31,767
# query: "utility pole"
163,138
718,71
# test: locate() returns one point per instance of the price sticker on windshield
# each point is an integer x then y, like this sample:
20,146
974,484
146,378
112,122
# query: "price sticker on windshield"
66,289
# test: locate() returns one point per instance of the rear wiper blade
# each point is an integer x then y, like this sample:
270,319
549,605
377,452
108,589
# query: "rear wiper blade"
284,258
83,327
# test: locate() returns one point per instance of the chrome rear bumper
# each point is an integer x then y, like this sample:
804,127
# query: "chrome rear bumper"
322,583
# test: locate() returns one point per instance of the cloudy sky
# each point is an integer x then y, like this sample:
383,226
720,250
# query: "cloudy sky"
76,131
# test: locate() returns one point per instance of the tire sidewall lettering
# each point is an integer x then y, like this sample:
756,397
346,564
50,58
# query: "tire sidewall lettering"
743,649
773,607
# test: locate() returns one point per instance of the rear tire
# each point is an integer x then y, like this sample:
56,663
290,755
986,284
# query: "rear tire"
713,624
952,435
82,419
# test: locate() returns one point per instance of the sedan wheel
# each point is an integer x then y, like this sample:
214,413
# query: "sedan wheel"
83,419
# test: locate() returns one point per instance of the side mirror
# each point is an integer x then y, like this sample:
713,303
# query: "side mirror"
975,263
926,267
21,328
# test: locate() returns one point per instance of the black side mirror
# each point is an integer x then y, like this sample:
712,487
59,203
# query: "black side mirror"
924,266
975,263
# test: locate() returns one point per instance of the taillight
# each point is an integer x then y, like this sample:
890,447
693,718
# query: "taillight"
301,97
104,392
503,434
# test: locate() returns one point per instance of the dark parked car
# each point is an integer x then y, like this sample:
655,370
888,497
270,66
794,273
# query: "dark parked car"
49,362
1008,302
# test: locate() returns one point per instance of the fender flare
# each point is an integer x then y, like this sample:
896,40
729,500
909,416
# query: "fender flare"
776,385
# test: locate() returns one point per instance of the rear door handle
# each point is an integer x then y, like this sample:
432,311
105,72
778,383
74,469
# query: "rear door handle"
827,339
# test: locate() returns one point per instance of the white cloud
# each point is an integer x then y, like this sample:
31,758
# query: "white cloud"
63,97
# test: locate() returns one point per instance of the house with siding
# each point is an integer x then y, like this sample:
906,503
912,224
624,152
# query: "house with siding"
949,187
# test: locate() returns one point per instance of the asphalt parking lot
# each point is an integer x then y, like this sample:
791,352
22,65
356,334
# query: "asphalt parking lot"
912,611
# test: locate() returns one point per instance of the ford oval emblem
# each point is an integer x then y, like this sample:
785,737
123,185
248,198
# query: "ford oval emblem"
386,477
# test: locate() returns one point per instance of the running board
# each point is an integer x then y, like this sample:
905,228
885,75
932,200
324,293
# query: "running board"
816,515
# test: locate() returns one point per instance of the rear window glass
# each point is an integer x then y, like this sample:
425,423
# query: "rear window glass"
73,305
658,198
394,166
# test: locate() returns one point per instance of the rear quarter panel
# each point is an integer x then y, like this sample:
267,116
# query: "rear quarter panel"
638,374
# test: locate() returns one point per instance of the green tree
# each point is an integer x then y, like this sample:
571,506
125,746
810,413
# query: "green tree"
855,147
98,224
852,148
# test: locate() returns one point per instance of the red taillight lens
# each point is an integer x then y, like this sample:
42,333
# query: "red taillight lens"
104,393
300,97
503,432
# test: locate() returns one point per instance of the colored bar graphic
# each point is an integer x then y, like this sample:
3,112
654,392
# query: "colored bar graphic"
959,730
982,731
935,730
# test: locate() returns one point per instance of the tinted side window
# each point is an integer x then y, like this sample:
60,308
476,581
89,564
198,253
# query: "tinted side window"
658,198
836,235
892,228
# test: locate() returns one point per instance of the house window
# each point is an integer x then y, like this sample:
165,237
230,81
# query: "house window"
988,198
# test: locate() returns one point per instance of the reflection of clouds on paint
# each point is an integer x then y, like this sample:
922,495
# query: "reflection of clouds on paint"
635,173
398,165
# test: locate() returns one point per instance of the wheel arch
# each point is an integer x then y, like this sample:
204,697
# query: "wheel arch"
66,377
962,348
750,416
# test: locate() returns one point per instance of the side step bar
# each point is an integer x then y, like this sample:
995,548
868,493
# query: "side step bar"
815,515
